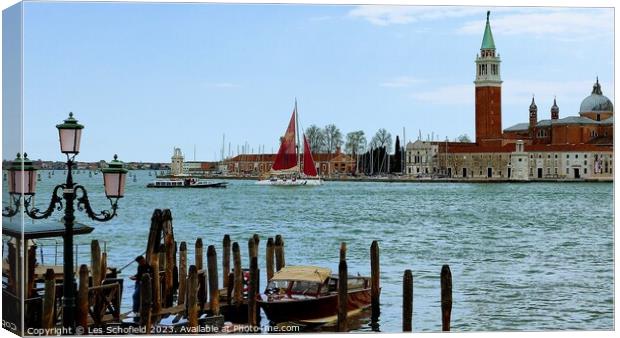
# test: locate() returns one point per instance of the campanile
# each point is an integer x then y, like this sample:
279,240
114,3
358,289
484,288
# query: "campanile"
488,92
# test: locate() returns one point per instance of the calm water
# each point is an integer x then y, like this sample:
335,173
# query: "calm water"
535,256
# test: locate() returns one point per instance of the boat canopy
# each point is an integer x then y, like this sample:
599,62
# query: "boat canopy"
312,274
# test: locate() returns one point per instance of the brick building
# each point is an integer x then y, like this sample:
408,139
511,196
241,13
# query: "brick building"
258,164
573,147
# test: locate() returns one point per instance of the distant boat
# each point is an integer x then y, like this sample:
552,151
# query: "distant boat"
186,183
288,169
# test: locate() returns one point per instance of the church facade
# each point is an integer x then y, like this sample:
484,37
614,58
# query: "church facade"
572,147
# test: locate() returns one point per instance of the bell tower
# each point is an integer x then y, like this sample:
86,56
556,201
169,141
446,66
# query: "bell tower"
488,92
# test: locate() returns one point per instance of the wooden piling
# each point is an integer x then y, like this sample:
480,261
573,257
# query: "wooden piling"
192,301
146,298
182,273
230,287
104,265
256,238
214,290
279,252
407,301
375,287
95,262
226,260
238,290
31,262
82,313
47,321
269,258
154,235
342,292
343,251
252,291
155,283
198,254
446,297
169,259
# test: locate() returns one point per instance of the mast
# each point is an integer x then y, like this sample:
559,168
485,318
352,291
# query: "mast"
298,149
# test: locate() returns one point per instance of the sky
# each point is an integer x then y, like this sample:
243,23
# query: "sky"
144,78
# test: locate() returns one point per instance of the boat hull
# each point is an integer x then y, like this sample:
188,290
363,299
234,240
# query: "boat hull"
197,186
291,183
312,309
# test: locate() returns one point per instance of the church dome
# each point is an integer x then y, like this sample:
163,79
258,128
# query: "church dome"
596,102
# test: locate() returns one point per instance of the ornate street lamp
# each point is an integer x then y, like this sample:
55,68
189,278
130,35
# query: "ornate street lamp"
22,184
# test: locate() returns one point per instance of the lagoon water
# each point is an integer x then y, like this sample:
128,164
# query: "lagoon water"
535,256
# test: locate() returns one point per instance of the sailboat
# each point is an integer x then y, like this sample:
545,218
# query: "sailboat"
288,169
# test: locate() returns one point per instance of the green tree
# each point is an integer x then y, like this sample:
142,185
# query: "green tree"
316,138
355,142
333,138
382,139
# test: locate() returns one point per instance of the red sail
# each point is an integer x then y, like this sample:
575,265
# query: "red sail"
287,155
309,166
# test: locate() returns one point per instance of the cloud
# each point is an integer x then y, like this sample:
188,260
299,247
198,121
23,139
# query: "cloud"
562,23
517,92
573,25
390,15
521,91
401,81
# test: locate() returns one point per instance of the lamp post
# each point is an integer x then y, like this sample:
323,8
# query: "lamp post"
22,184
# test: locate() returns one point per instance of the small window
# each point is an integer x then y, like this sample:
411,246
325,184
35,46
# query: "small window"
585,170
576,155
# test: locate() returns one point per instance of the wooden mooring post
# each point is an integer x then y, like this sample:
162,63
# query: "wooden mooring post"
252,292
279,252
375,287
225,260
214,290
238,290
82,317
342,290
169,265
407,301
146,299
48,320
269,258
446,297
192,300
198,254
95,262
182,273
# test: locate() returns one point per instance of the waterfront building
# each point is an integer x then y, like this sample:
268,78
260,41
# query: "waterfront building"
176,162
337,163
573,147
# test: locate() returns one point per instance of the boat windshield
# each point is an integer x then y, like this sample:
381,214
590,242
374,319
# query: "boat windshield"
303,288
278,284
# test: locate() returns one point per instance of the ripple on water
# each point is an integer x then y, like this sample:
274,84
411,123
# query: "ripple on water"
529,257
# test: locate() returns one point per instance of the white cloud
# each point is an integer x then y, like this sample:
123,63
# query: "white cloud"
401,81
517,92
565,24
389,15
521,91
572,25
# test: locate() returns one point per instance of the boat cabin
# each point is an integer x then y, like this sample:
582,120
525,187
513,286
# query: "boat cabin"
308,281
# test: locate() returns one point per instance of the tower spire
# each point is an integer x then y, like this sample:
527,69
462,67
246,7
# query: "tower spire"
487,39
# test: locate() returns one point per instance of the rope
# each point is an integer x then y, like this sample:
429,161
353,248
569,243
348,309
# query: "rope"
128,264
